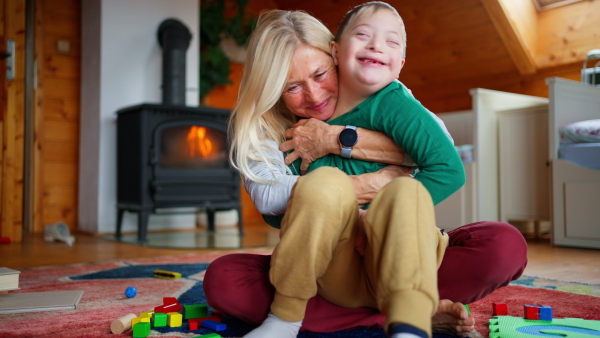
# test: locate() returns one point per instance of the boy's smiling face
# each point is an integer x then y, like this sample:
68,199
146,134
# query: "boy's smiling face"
370,52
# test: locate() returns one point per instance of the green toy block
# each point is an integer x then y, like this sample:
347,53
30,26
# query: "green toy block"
141,330
159,319
195,311
468,308
210,335
518,327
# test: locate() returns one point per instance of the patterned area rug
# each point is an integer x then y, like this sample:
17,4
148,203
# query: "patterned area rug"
104,285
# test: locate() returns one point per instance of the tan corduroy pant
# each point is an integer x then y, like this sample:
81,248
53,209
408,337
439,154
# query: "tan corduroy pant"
316,252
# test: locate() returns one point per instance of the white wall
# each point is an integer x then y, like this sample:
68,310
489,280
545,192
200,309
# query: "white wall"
121,66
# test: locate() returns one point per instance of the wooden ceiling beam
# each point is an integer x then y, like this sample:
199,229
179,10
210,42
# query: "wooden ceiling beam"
518,45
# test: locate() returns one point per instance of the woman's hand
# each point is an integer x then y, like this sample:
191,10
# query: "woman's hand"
310,139
368,185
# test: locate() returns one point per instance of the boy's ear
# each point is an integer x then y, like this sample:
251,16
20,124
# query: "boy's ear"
333,47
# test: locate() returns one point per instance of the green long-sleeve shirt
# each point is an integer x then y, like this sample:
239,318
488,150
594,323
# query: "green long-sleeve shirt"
395,112
398,114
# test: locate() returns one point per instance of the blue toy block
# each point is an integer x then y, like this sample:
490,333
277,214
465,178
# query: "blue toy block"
545,312
211,324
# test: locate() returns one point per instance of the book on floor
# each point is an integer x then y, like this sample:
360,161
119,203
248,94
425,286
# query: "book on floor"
39,301
9,279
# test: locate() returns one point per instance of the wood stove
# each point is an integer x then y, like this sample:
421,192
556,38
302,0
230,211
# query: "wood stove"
173,156
170,155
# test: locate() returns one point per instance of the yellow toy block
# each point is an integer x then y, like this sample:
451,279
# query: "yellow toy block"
147,314
139,320
174,319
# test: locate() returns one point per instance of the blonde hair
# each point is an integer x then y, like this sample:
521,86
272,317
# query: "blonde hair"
370,7
259,114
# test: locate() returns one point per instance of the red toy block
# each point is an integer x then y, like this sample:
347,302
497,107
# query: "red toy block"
170,304
531,311
500,309
193,324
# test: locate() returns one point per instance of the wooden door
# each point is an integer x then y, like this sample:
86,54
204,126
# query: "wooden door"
12,111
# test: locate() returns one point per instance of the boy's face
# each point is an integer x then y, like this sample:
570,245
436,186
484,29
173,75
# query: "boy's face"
370,51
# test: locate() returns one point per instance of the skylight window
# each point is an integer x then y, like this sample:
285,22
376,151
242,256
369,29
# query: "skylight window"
547,4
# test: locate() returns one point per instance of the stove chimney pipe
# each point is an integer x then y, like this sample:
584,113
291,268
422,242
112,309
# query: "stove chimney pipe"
174,38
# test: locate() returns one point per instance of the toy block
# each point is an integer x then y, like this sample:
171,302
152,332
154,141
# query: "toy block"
193,324
141,330
468,308
139,320
210,335
170,304
500,309
122,324
545,312
531,311
159,320
195,311
216,313
211,324
147,314
174,319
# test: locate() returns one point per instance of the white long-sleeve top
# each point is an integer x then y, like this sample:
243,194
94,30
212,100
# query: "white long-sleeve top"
272,199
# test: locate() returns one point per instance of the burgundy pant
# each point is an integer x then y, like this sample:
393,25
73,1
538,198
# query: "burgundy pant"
481,257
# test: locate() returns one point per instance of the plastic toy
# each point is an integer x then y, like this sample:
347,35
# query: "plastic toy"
195,311
130,292
211,324
141,330
174,319
518,327
500,309
166,274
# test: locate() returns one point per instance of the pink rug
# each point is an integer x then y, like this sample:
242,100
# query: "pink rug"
103,299
104,285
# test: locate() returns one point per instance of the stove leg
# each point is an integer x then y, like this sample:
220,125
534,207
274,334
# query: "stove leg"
120,213
210,218
143,216
240,221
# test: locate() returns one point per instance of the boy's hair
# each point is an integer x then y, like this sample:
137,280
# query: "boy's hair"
371,7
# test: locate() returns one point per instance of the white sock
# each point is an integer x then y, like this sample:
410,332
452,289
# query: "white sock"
275,327
404,335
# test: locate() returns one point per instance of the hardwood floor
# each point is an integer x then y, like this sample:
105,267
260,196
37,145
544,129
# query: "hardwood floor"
545,260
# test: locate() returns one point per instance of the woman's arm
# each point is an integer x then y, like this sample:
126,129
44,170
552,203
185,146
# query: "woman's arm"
311,139
272,199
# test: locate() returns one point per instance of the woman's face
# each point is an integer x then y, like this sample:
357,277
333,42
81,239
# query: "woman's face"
311,89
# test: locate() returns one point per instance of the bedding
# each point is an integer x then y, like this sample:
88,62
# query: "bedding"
580,132
583,154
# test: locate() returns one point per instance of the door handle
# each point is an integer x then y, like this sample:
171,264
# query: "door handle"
9,55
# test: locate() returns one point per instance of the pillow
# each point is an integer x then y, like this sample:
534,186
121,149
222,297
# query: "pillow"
581,132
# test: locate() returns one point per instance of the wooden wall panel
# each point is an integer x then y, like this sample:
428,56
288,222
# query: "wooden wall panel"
57,112
12,20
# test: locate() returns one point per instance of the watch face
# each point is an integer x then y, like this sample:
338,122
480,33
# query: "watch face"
348,137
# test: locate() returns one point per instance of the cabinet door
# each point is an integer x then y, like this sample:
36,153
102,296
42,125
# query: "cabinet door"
524,172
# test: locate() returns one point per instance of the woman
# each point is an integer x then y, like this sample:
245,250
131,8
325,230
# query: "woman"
475,263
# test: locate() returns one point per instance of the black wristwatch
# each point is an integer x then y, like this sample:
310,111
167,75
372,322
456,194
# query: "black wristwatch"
348,138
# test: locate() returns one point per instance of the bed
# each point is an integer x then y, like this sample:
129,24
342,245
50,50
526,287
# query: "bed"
575,166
